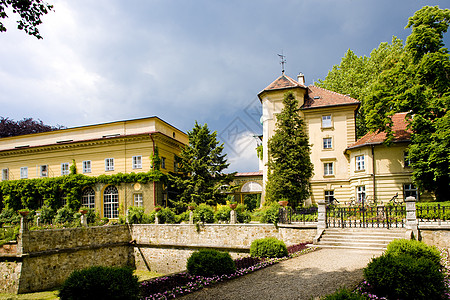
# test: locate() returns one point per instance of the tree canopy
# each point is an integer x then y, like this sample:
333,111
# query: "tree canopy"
29,11
289,164
10,127
202,164
413,78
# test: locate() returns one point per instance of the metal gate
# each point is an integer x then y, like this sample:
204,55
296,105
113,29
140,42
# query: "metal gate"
390,216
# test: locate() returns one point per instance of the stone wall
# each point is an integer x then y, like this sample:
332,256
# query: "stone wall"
45,258
438,236
165,248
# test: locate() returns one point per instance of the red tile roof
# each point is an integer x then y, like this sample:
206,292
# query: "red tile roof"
283,82
318,97
257,173
399,127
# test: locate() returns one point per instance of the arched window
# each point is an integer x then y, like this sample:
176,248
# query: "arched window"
111,202
88,198
251,187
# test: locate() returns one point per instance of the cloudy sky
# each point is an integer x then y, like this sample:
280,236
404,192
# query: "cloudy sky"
108,60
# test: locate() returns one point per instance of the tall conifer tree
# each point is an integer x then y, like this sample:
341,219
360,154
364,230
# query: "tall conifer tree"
202,164
289,163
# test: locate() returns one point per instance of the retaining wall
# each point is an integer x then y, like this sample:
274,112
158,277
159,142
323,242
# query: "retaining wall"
165,248
438,236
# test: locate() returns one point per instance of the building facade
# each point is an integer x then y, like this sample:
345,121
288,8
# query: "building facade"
345,169
110,148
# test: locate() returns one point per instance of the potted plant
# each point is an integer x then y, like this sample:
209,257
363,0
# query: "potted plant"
23,212
157,208
83,210
283,202
233,205
191,206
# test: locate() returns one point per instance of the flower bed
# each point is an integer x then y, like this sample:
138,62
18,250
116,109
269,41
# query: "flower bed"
184,283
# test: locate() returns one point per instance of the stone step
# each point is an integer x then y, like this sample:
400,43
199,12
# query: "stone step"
350,247
347,240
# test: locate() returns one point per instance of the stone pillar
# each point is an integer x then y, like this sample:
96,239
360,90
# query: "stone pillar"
233,217
191,217
23,224
321,219
156,219
84,220
412,225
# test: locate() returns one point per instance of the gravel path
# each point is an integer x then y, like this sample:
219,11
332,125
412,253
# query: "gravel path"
308,276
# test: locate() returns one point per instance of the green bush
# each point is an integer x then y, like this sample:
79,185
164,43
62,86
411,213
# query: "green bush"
415,249
135,215
223,214
183,217
9,216
344,294
64,215
242,214
8,234
47,214
204,213
166,216
270,214
210,262
405,277
268,247
101,283
92,216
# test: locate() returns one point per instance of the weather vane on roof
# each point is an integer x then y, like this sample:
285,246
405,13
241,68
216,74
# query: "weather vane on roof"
282,62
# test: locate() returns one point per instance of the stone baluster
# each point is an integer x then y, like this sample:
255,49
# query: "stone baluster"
321,219
411,219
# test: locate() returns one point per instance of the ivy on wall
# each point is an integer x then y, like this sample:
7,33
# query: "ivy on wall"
33,193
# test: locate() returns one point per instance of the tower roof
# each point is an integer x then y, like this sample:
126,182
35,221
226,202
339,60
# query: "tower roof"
282,82
317,97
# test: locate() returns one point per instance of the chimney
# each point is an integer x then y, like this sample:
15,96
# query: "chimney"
301,78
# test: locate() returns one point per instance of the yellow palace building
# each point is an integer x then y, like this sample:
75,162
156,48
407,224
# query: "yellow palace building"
345,168
109,148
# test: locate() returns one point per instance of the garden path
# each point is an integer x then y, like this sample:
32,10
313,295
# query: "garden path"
308,276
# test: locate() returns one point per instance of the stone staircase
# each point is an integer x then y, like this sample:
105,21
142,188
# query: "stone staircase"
359,238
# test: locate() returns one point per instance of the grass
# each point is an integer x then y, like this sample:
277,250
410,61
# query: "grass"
53,295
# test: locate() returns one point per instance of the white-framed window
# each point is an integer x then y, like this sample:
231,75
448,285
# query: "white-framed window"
5,174
137,162
111,202
138,200
109,164
410,190
406,160
87,165
328,169
65,169
43,171
326,121
329,196
163,162
359,159
361,193
24,173
327,143
88,198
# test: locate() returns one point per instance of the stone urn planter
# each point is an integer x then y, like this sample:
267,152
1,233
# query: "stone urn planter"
83,211
283,203
24,213
157,209
233,206
191,207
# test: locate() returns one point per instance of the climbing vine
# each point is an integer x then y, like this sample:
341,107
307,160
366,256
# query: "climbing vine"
33,193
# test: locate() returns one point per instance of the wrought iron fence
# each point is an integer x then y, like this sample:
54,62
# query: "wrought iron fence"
433,213
300,215
389,216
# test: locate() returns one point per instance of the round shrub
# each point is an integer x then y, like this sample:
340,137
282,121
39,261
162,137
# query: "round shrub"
415,249
344,294
101,283
204,213
135,215
210,262
405,277
268,247
64,215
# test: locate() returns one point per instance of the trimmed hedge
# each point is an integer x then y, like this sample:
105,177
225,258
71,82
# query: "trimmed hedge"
208,262
268,247
415,249
101,283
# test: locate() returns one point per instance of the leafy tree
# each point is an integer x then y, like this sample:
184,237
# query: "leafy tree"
414,79
10,127
202,164
30,12
289,163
